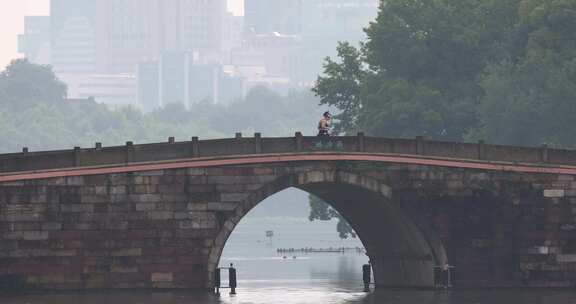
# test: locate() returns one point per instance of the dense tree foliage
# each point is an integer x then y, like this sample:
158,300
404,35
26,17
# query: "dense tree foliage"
34,113
23,85
530,96
322,211
499,70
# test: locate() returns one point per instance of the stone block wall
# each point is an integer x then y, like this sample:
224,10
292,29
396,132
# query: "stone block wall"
167,228
142,230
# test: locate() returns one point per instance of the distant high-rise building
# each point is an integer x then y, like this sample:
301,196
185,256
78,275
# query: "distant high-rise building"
325,22
114,90
338,18
34,43
73,36
148,77
74,51
232,35
203,27
113,36
176,78
290,38
307,16
266,16
141,30
280,55
137,30
97,42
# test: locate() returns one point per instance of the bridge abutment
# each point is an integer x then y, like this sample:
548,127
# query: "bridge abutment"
403,271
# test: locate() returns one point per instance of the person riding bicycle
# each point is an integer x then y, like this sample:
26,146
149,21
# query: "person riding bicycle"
324,124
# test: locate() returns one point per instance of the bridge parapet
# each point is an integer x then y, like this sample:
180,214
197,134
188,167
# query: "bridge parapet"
195,148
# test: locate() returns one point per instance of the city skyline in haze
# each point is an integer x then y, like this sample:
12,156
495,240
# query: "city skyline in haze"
12,23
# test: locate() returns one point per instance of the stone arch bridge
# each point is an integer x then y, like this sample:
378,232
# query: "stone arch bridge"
158,215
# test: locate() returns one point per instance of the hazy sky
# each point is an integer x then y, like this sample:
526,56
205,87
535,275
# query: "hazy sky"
12,22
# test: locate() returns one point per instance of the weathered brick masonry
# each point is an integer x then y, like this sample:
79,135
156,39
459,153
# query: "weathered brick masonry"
159,215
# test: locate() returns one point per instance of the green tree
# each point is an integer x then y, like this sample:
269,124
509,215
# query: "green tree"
34,113
341,86
173,112
263,110
23,85
530,97
417,72
320,210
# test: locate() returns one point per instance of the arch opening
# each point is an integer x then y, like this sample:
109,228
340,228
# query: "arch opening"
298,253
402,253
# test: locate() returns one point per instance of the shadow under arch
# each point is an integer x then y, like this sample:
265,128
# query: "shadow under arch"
403,253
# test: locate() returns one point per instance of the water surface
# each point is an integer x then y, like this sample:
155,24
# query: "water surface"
266,276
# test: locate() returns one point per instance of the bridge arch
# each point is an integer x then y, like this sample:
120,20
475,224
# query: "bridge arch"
505,214
403,252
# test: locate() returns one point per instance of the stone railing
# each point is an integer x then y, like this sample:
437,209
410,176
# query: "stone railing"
172,150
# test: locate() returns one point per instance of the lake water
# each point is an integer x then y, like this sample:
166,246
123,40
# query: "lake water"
265,276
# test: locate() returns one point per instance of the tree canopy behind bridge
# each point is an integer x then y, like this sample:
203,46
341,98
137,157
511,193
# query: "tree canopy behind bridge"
499,70
35,113
463,70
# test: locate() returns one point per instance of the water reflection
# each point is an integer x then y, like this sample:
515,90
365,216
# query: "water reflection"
470,297
347,273
319,295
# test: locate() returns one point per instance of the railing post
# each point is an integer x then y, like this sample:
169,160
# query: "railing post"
298,139
76,156
257,143
217,281
544,154
481,150
366,276
195,148
23,156
420,149
361,144
129,152
232,279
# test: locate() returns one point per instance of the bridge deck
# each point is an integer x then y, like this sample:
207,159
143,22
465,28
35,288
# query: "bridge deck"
276,158
238,151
